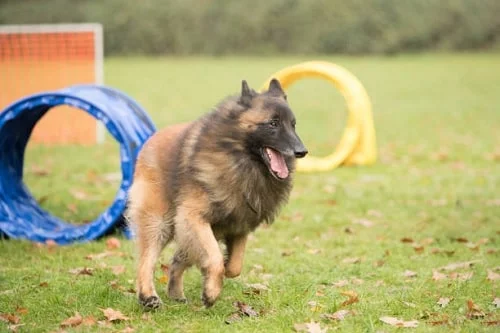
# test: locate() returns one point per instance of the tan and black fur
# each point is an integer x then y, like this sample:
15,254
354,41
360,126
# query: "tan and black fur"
210,181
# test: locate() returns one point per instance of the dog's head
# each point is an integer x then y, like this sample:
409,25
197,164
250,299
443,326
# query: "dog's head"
270,126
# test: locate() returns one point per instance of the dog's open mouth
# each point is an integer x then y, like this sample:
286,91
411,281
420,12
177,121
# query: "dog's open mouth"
276,163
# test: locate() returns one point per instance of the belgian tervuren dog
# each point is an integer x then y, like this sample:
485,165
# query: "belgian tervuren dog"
209,181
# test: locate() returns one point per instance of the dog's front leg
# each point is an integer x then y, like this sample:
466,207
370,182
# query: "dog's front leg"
235,251
196,239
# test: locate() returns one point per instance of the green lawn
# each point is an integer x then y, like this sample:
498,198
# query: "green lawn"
377,233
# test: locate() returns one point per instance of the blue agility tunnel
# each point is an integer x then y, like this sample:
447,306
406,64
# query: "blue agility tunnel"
20,215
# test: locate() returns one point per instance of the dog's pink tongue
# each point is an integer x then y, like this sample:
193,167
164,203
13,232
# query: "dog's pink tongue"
278,164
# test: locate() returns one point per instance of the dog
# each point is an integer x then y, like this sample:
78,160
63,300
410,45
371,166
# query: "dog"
211,181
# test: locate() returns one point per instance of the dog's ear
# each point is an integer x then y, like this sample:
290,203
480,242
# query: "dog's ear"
247,94
275,88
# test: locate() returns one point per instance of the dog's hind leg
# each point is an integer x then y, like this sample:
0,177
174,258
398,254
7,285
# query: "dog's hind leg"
148,212
176,276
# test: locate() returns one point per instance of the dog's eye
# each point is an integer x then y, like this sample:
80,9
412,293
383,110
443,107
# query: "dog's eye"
293,124
274,123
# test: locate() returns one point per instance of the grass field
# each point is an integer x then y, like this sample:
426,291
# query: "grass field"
376,241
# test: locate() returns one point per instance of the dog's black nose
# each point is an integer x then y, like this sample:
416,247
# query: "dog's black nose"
300,154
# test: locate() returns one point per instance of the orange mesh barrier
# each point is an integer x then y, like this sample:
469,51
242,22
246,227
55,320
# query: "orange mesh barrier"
33,62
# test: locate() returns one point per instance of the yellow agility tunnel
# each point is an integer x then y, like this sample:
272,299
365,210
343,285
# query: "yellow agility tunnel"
357,145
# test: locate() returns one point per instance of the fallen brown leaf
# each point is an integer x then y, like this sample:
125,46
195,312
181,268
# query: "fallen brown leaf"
398,322
341,283
473,310
364,222
338,315
79,194
352,297
233,317
311,327
73,321
245,309
357,281
427,241
418,248
82,271
351,260
117,270
113,243
492,276
437,276
496,302
44,284
113,315
461,276
409,274
9,318
163,279
461,240
440,321
164,268
39,171
21,310
458,265
407,240
443,301
72,208
257,288
287,253
89,321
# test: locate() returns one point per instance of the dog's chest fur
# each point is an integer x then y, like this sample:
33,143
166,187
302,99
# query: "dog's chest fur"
241,191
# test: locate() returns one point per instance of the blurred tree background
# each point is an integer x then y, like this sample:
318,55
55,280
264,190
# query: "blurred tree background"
220,27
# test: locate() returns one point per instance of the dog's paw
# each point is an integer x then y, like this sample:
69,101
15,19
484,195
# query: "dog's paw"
150,302
208,302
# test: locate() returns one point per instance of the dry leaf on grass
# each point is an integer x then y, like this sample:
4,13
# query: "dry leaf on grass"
409,274
82,271
357,281
73,321
79,194
496,302
163,279
352,297
443,301
364,222
340,284
458,265
398,322
407,240
311,327
461,276
113,315
410,305
473,310
39,170
234,317
128,329
437,276
21,310
351,260
9,318
338,315
492,276
245,309
256,288
117,270
113,243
